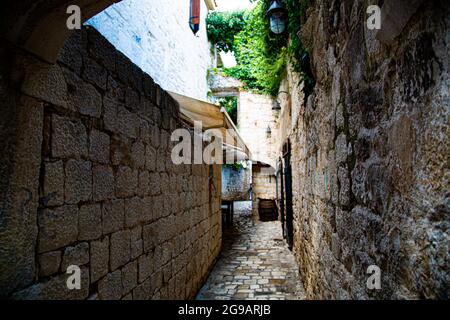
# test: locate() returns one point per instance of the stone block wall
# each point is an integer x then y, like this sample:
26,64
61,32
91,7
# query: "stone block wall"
255,115
156,36
370,155
96,186
236,184
264,185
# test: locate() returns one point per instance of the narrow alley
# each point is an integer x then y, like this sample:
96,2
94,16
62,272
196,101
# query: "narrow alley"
255,263
225,150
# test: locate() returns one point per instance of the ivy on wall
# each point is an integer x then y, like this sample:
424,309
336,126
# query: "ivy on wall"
262,56
230,104
224,26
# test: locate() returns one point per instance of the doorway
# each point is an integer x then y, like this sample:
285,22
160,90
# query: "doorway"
284,190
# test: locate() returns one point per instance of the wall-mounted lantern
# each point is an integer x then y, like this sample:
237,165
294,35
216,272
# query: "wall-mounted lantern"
268,132
277,14
277,104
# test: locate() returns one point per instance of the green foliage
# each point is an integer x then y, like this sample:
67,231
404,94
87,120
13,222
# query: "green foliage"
222,27
299,56
230,104
261,58
261,55
235,166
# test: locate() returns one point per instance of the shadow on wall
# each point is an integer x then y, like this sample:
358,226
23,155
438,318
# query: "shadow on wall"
86,163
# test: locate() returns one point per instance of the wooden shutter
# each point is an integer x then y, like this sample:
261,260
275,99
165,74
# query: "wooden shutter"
194,20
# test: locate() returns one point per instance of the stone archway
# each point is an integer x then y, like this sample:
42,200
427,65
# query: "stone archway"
40,26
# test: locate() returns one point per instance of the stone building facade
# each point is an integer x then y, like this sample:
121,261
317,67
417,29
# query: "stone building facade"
156,36
259,128
89,182
255,116
370,165
237,182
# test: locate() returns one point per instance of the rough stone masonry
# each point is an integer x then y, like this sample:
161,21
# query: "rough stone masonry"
371,154
91,183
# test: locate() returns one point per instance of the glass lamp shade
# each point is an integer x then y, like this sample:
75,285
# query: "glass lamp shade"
277,22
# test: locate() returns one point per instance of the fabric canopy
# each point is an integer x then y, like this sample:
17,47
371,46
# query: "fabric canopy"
213,117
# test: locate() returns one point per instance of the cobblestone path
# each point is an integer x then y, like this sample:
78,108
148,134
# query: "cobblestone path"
255,264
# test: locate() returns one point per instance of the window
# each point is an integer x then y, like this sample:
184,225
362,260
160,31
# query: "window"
194,18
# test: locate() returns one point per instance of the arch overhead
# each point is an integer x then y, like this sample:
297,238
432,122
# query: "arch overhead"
41,26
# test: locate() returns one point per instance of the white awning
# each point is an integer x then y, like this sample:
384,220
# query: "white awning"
212,117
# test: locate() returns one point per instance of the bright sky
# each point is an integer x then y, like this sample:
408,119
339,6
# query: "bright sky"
231,5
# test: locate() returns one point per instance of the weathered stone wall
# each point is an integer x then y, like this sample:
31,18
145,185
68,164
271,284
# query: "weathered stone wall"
236,184
255,115
89,181
264,185
370,155
156,36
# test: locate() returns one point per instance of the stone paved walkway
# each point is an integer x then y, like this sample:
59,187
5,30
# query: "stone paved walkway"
255,264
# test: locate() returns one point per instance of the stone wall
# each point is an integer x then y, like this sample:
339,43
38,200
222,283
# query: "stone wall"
89,181
156,36
255,115
236,184
370,155
264,185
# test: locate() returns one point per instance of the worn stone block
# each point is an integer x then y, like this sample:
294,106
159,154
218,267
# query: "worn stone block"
129,277
49,263
99,147
95,73
44,81
165,183
138,155
335,246
344,192
57,228
115,89
55,289
90,222
144,184
83,96
71,54
113,216
110,287
99,260
160,161
155,184
132,100
53,184
120,249
147,210
103,178
157,280
120,151
143,291
150,235
145,266
341,148
127,122
102,50
126,182
110,106
136,242
155,136
133,212
78,181
69,138
77,255
150,158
